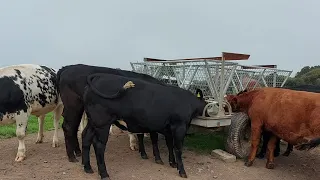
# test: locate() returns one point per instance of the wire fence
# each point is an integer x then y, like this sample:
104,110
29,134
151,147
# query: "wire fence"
206,75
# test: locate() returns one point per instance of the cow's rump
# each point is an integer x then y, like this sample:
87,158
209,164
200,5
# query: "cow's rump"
289,114
150,105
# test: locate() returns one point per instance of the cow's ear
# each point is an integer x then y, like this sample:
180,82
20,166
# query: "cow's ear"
234,103
199,94
234,100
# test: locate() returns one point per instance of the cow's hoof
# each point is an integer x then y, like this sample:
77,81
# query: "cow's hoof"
159,161
144,156
78,154
270,165
286,153
106,178
20,158
55,144
88,170
39,141
73,159
134,147
183,175
260,156
173,165
248,163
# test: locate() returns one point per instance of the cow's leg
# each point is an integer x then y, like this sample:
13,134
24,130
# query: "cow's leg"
100,140
169,143
179,131
133,141
141,146
56,115
83,122
256,128
99,144
156,152
277,148
111,130
40,132
70,125
289,150
77,150
87,138
266,137
72,113
100,121
21,122
271,147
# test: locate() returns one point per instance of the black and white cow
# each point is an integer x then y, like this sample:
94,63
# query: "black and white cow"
28,89
144,106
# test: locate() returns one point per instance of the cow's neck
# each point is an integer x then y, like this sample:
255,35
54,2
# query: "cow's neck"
245,100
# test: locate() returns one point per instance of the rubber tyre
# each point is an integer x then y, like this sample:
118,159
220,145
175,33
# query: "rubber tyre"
239,133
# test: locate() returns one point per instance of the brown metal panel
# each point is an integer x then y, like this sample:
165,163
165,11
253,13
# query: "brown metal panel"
226,55
235,56
265,66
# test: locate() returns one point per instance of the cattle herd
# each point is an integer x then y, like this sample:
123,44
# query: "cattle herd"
140,104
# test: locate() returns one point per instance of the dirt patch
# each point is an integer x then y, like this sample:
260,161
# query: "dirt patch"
44,162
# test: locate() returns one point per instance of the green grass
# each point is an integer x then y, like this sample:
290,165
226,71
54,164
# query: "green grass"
9,131
205,142
199,142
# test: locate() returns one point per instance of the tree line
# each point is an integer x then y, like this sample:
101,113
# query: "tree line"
307,76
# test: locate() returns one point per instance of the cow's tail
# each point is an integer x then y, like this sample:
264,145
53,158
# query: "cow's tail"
313,143
120,126
128,85
58,80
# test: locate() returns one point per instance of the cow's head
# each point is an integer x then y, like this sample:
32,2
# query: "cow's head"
233,100
200,107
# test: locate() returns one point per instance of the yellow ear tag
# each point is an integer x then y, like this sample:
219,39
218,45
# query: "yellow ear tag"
198,95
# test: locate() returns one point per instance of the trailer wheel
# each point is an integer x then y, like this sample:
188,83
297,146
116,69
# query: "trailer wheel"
238,140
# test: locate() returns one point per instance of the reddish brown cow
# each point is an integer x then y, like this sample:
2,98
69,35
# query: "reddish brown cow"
291,115
265,136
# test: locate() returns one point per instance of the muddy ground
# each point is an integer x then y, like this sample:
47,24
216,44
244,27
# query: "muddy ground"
44,162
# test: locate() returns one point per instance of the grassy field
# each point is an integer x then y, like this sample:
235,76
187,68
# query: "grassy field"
199,142
9,131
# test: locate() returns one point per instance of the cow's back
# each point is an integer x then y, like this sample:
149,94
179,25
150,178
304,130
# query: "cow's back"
75,76
150,104
284,111
27,87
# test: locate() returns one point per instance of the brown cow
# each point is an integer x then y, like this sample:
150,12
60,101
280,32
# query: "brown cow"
265,136
291,115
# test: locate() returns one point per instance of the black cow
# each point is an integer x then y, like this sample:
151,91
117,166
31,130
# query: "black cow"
266,137
145,107
71,81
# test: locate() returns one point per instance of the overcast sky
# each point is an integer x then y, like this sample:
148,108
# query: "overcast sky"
105,33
